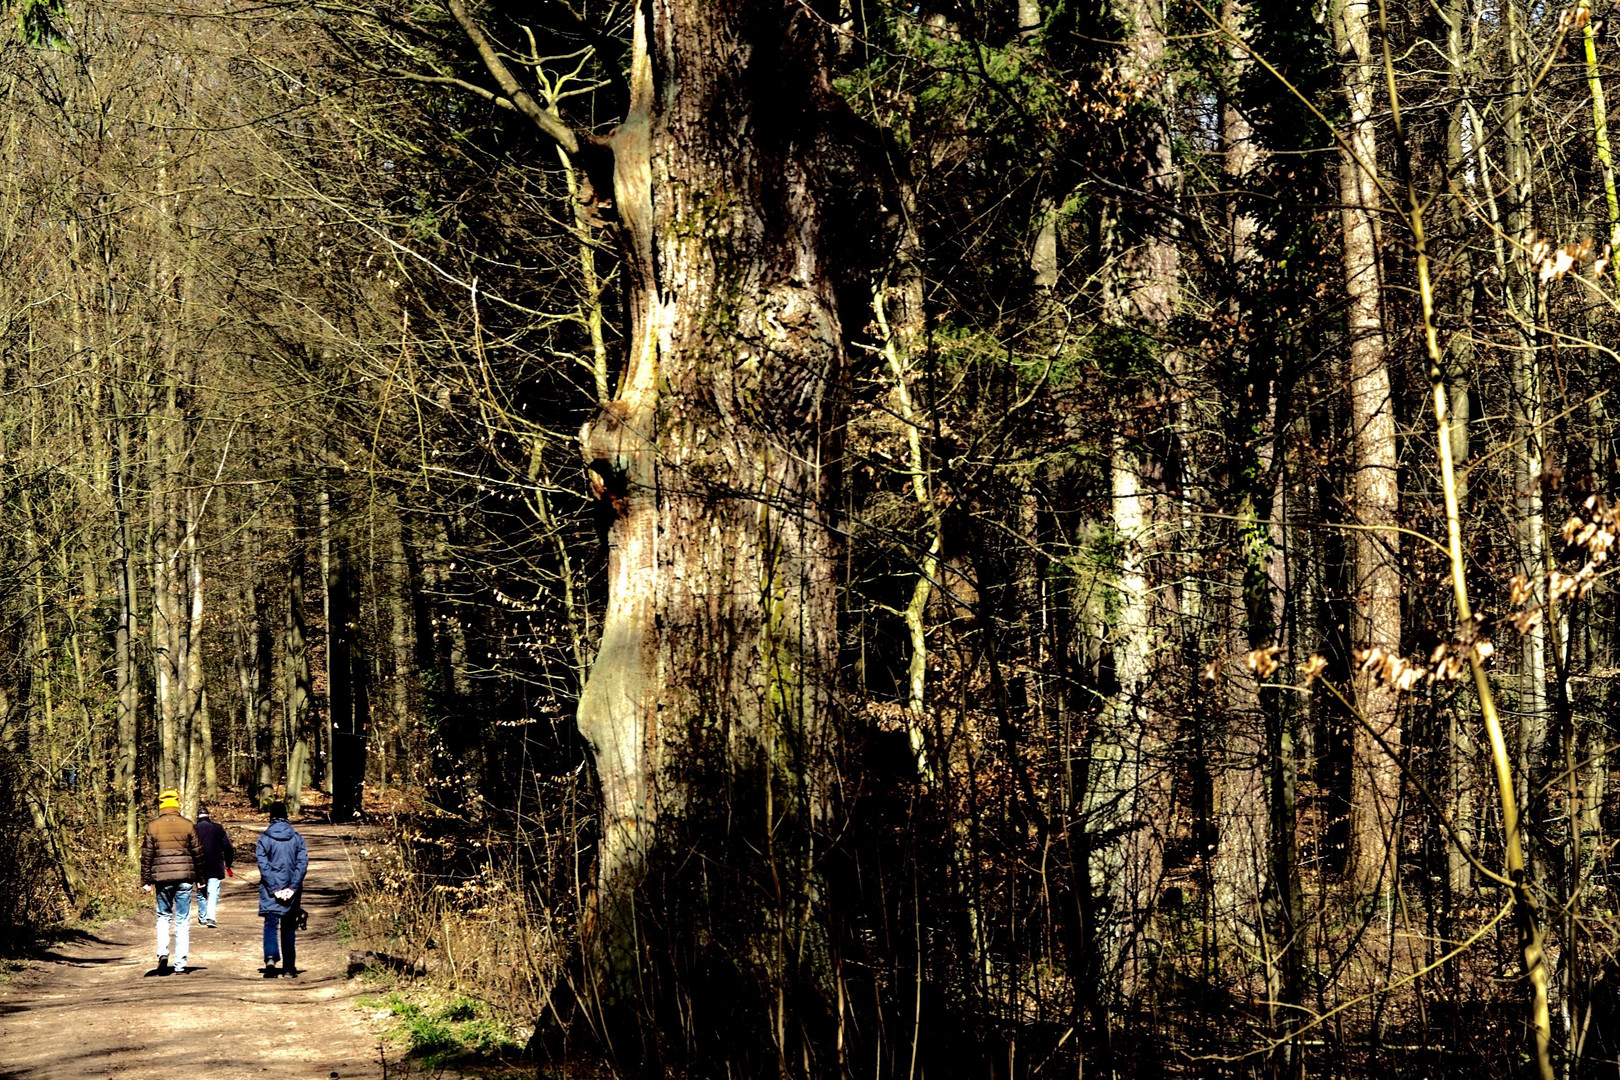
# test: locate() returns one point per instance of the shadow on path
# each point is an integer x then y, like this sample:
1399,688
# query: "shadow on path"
92,1005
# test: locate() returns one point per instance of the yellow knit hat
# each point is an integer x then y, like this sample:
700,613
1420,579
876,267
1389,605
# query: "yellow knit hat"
167,798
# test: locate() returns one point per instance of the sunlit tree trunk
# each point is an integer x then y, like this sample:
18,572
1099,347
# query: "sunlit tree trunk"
1528,433
199,739
1029,18
897,304
1239,870
1374,491
1460,355
717,655
1128,786
296,720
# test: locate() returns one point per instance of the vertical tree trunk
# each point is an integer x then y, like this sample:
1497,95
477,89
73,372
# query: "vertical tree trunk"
718,655
1600,131
1460,356
1127,781
1239,872
1527,409
254,664
1029,18
897,305
1374,492
162,547
402,653
323,508
297,693
1128,786
1259,897
346,676
200,763
124,568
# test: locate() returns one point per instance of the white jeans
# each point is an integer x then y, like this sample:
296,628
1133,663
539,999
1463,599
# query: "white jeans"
174,911
208,904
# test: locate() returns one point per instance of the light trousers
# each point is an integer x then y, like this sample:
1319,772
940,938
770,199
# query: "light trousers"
174,914
208,903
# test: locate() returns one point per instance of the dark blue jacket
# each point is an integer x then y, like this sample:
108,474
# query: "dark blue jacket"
217,849
283,861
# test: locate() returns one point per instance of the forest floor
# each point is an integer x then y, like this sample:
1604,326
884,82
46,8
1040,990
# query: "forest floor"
92,1008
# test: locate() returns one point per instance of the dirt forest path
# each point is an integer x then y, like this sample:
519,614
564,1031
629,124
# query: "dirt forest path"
90,1009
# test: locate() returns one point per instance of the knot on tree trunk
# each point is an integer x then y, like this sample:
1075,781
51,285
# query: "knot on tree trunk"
614,448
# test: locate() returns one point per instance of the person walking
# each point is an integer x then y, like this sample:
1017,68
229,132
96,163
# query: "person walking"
218,853
283,860
170,867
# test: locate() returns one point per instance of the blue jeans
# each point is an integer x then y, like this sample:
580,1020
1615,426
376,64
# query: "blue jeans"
174,912
208,905
289,930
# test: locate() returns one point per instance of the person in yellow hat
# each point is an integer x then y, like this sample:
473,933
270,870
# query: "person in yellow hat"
171,856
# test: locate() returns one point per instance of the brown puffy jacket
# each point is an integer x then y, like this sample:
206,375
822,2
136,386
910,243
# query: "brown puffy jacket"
170,851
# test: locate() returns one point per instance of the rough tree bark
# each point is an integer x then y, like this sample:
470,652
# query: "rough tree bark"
1374,493
709,706
1128,781
719,635
1258,893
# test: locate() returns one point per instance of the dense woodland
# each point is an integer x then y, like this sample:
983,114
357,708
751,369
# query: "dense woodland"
964,538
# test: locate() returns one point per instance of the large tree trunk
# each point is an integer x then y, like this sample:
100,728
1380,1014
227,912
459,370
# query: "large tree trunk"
1239,873
1374,493
1128,783
1259,897
709,705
